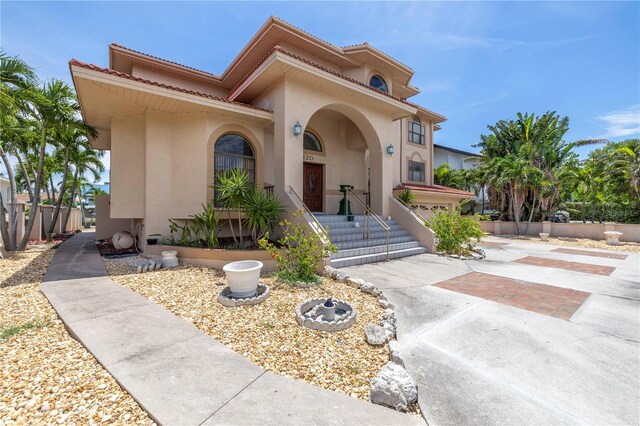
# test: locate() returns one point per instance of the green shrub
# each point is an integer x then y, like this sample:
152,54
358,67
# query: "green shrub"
454,232
205,226
406,197
262,212
201,230
481,217
298,253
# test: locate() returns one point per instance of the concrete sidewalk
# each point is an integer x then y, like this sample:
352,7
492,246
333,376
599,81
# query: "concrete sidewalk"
176,373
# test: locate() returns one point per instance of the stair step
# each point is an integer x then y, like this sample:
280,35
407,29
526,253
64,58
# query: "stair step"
377,257
348,245
372,236
382,248
350,228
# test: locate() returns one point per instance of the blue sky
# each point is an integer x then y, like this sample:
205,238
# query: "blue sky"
475,63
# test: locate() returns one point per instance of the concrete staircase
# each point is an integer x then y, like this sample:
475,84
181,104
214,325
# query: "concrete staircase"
355,250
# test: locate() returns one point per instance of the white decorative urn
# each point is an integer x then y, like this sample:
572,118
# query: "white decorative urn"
613,237
243,277
544,236
169,259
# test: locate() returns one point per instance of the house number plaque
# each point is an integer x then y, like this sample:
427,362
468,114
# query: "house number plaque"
307,157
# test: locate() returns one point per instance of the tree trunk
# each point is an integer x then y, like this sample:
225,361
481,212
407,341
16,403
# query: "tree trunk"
4,231
533,206
63,188
233,234
26,176
53,189
36,190
516,217
71,197
10,243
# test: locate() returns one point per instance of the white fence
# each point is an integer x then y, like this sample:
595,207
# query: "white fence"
593,231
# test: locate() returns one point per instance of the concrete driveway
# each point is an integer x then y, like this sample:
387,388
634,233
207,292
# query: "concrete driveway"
533,334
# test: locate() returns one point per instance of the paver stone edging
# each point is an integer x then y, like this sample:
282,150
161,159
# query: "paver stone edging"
178,374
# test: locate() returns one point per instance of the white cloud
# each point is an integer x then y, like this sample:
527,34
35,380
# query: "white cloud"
621,123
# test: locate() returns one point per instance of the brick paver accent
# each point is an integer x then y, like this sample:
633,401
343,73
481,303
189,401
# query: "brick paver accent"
558,302
604,254
569,266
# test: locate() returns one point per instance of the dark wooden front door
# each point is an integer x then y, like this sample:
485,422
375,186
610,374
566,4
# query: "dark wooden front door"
313,186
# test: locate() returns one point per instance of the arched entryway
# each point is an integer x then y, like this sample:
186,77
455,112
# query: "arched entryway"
340,148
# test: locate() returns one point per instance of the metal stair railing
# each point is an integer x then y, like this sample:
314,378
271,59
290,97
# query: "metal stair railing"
316,225
368,213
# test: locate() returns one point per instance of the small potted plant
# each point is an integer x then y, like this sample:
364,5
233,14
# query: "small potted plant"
153,239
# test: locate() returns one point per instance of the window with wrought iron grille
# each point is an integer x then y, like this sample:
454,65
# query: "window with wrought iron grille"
416,131
416,171
232,151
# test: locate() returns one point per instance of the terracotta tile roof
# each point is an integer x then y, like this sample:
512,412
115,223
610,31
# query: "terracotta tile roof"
320,67
157,84
365,44
164,60
435,189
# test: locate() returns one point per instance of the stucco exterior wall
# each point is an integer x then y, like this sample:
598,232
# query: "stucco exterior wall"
454,159
128,164
105,226
177,81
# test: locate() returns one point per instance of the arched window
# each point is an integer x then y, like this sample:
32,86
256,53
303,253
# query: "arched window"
416,131
311,142
233,151
379,83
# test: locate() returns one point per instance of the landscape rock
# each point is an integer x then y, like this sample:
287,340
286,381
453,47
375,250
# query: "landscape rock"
330,272
356,282
393,387
394,353
369,288
375,334
384,303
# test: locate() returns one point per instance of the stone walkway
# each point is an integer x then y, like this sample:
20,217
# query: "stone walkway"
179,375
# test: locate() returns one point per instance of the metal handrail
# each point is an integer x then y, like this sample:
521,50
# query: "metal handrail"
369,213
316,225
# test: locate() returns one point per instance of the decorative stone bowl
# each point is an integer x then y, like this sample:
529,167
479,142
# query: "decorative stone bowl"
544,236
613,237
169,259
226,298
310,314
243,277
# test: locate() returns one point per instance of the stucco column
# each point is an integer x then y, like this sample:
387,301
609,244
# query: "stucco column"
36,231
546,226
288,149
158,173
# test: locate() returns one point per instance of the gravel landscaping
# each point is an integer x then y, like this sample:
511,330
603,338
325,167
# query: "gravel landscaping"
574,242
267,333
47,377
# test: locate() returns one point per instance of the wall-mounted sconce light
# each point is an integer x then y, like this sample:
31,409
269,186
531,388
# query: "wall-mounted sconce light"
390,149
297,129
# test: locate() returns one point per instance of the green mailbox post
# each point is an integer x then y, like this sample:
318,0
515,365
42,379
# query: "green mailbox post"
345,203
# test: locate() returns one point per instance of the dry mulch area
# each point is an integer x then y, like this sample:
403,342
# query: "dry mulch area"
46,376
574,242
267,333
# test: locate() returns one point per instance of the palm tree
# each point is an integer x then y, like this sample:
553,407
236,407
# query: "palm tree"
54,107
16,82
232,189
83,159
626,161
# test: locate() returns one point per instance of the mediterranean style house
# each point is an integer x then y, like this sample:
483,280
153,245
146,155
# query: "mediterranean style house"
300,115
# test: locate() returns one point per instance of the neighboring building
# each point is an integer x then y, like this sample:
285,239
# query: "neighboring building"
292,110
456,158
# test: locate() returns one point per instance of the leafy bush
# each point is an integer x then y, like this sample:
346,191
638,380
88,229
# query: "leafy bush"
205,226
298,253
481,217
201,230
262,212
454,232
406,197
